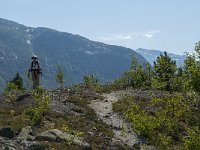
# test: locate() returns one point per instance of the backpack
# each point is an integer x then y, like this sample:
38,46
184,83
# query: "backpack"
36,66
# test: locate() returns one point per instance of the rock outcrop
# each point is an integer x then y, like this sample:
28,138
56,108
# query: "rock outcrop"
56,135
13,144
26,134
27,141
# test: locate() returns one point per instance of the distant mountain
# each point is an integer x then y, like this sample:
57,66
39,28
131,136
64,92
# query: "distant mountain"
151,55
76,55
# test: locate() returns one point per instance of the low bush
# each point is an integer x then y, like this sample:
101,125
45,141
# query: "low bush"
42,104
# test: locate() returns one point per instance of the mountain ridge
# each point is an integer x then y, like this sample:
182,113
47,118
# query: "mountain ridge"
150,55
77,55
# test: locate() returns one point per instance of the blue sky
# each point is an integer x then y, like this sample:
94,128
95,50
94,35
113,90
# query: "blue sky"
171,25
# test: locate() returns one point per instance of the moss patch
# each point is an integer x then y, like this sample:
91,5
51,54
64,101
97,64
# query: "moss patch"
13,117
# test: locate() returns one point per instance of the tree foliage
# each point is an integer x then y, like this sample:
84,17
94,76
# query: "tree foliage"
138,76
192,70
165,69
90,80
42,104
171,121
16,83
60,76
14,88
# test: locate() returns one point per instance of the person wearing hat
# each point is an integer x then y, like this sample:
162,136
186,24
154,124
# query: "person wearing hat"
35,71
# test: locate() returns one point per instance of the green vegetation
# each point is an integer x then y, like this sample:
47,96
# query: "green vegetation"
15,84
171,121
60,76
42,103
17,81
191,72
13,117
80,121
165,69
14,88
164,75
85,124
138,76
91,82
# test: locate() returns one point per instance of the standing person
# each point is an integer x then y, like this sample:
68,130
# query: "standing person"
35,71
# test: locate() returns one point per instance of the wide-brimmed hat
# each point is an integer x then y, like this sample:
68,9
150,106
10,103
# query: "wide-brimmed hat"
34,57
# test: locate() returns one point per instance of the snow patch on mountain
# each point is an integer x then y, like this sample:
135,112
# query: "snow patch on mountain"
90,53
28,42
151,56
29,30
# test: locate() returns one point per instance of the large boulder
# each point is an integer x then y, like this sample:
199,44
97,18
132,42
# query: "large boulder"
7,132
56,135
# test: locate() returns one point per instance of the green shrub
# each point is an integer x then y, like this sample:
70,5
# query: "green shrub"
138,76
14,88
60,76
161,120
12,92
123,105
42,104
91,82
165,69
192,140
15,84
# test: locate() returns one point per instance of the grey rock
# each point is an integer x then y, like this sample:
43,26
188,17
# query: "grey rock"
15,144
147,147
91,133
8,148
116,142
56,135
26,134
47,136
32,145
82,143
7,132
123,133
7,144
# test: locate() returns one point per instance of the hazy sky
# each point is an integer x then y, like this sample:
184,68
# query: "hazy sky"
171,25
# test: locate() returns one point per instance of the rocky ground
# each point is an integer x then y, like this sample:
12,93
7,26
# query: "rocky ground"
77,119
123,133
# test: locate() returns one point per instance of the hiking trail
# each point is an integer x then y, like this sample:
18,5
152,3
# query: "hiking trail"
123,133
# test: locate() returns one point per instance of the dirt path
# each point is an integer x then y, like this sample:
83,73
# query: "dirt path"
123,133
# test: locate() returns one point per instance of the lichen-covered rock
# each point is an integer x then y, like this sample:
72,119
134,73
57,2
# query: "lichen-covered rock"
7,144
56,135
26,134
32,145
